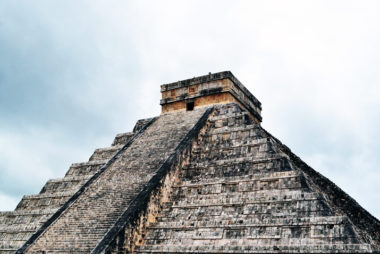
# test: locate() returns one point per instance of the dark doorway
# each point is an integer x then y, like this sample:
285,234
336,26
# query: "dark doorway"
189,106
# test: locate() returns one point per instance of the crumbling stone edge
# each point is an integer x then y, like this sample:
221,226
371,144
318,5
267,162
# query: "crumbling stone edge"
140,203
68,203
360,217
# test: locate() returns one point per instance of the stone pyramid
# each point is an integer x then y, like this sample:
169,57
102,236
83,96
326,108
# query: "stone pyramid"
203,177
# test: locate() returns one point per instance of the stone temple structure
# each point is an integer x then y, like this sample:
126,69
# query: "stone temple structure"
203,177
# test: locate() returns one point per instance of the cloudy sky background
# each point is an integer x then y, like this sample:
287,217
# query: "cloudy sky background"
73,74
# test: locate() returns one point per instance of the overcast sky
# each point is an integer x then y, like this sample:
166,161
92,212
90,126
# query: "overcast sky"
73,74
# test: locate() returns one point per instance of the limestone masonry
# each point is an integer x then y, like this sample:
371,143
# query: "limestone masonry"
203,177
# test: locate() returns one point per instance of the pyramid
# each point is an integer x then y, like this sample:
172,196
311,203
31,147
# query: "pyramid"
203,177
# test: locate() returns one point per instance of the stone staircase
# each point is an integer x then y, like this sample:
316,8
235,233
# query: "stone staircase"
81,226
34,210
241,194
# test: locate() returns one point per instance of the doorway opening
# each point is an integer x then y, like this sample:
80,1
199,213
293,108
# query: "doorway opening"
189,106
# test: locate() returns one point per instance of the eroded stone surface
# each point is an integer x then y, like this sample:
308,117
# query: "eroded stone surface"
192,183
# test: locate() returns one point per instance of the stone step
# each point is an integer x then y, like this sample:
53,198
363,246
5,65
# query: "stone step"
243,247
9,246
251,130
51,200
85,168
231,151
67,183
254,235
244,183
233,119
105,153
228,109
17,228
236,143
58,251
253,211
7,250
122,138
236,167
269,162
27,212
254,197
48,195
228,116
24,219
70,179
291,183
280,207
249,221
262,176
140,124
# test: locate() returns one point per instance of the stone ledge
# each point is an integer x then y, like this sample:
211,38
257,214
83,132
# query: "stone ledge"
49,195
320,248
242,203
45,211
227,129
232,161
31,228
89,163
110,148
122,138
242,179
105,153
234,222
69,179
228,116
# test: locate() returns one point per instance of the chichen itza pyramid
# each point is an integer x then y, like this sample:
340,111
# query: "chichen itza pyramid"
203,177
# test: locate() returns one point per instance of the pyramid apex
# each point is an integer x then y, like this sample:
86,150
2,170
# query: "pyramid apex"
213,88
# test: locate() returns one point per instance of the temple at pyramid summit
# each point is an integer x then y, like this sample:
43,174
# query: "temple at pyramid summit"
202,177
